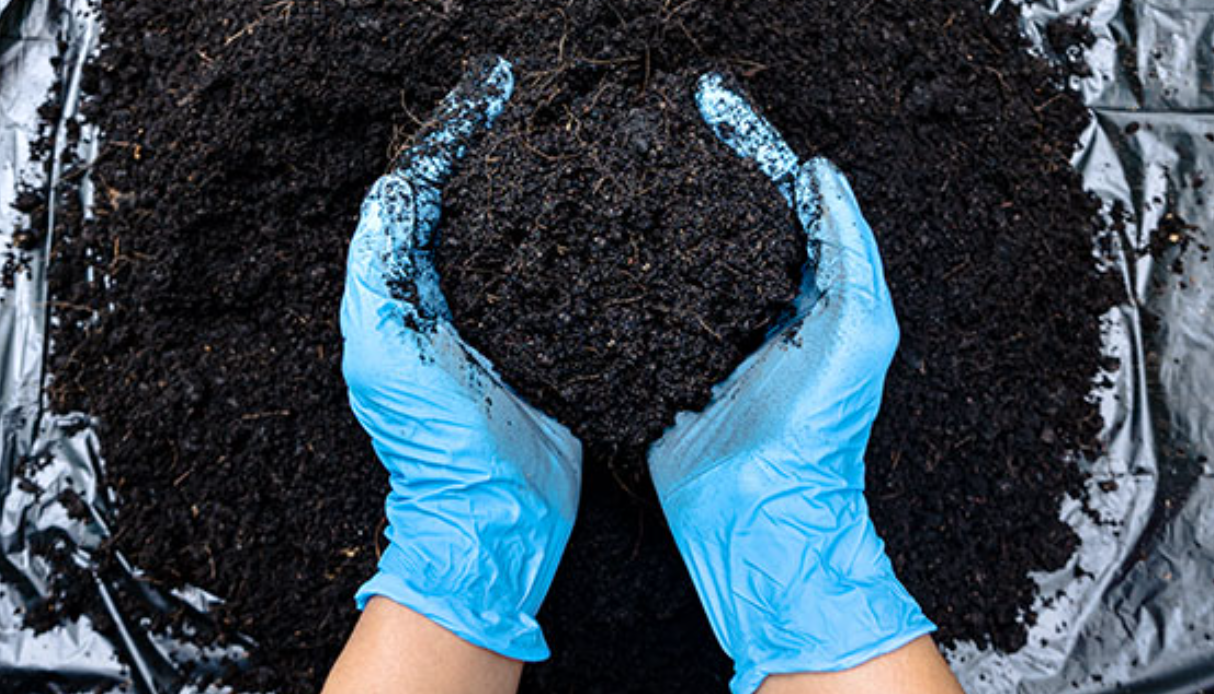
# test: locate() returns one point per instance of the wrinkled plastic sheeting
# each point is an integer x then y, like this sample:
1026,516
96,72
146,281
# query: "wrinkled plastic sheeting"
29,35
1123,615
1135,613
43,47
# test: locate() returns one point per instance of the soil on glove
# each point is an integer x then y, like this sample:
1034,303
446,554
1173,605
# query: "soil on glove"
611,257
197,310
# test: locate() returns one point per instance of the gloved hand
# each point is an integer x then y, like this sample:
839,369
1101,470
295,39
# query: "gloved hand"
764,489
483,487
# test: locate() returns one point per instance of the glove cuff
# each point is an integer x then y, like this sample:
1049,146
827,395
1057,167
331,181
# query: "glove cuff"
516,635
749,676
795,578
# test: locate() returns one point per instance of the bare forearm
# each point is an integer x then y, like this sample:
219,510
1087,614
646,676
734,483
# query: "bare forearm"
394,650
916,668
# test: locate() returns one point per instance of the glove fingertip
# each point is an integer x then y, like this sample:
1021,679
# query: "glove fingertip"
738,124
468,110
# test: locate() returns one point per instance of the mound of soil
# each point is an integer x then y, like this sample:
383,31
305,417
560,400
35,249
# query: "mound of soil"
611,257
197,310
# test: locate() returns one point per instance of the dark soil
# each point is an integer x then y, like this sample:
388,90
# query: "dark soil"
240,138
612,257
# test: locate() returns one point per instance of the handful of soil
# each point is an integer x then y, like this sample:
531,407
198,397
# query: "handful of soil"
611,256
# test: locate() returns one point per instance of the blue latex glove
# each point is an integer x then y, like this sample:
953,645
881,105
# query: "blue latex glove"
483,487
764,489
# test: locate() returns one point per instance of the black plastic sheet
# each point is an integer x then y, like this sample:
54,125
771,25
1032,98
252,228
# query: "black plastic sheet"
1132,612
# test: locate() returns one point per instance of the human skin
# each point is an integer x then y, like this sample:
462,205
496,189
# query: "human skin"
395,650
916,668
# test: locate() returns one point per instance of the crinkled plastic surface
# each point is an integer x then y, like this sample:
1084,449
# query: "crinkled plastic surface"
1133,612
44,454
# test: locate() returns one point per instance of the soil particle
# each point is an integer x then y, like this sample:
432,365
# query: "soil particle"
1068,38
1170,241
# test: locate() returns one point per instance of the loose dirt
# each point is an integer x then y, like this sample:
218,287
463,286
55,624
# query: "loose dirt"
240,138
611,257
